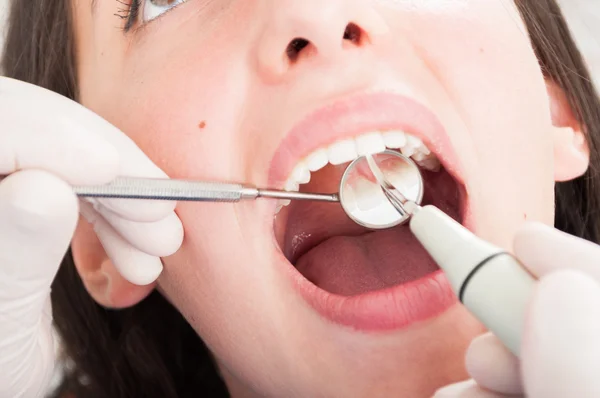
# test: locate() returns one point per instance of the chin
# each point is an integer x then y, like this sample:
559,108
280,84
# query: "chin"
333,361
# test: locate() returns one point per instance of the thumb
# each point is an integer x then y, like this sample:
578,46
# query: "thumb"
467,389
492,366
561,347
543,250
38,214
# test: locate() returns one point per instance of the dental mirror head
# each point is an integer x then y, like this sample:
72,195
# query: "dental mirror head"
362,197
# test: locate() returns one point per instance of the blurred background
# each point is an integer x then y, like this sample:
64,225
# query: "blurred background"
584,16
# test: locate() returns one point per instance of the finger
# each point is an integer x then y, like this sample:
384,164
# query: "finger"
38,214
467,389
83,160
134,163
38,125
135,266
160,238
493,367
544,250
561,349
135,209
34,137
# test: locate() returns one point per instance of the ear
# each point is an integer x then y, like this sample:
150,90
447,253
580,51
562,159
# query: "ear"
99,275
571,150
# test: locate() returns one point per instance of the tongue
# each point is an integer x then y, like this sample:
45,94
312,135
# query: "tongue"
351,266
343,258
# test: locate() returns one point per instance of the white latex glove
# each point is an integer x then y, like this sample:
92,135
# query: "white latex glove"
47,144
560,354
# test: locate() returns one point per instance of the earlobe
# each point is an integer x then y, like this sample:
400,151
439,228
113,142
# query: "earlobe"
100,277
571,150
571,154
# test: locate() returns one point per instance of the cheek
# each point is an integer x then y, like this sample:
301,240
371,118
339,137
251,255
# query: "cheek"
182,107
217,277
188,121
489,73
485,62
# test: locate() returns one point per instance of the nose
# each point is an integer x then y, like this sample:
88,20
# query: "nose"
298,31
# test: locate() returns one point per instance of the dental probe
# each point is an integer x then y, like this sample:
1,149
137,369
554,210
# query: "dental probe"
184,190
489,281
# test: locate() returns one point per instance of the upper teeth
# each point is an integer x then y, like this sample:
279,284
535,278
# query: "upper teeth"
349,149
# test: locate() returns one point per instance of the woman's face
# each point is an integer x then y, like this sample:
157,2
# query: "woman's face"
225,90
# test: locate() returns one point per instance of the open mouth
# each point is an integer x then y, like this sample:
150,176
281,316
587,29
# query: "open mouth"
354,275
338,255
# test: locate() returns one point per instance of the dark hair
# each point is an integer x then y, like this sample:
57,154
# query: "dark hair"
150,350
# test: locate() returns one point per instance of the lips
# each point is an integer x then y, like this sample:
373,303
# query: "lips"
369,280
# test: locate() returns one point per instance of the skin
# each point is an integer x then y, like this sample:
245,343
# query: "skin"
205,92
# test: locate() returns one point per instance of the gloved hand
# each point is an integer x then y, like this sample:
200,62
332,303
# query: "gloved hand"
560,354
48,144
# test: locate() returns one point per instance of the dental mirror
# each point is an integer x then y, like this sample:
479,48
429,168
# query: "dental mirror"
361,195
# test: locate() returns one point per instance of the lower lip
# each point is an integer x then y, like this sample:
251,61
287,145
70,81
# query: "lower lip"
394,308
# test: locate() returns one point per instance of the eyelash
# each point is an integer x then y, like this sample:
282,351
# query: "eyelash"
129,13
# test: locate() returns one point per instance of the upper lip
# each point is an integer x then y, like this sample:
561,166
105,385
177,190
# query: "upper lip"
361,114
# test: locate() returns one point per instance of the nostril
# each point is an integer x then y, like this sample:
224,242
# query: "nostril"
353,33
295,48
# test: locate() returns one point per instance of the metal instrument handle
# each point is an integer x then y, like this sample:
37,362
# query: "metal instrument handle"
166,189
